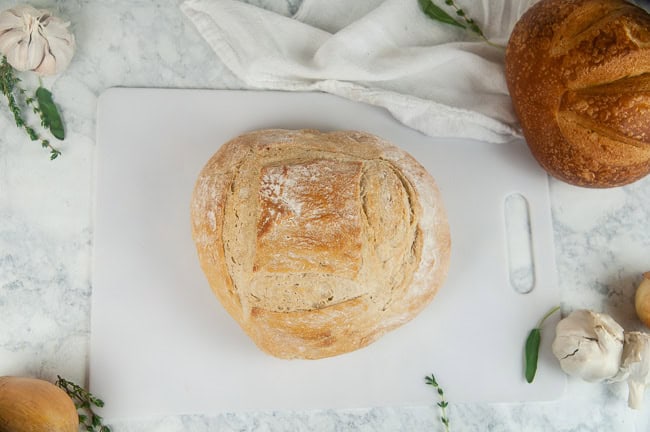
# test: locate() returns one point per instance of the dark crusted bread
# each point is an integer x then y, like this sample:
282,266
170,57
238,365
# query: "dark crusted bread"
578,72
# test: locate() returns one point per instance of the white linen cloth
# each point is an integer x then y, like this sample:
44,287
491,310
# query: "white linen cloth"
433,77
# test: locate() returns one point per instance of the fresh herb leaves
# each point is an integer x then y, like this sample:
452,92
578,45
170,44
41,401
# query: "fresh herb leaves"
431,380
46,109
84,401
532,352
50,117
436,13
532,347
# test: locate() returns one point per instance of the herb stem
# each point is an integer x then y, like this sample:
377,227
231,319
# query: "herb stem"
436,13
84,401
9,86
444,419
548,314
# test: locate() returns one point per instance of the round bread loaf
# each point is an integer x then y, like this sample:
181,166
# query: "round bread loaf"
578,75
318,243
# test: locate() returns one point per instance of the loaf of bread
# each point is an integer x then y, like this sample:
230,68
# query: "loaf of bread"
578,72
318,243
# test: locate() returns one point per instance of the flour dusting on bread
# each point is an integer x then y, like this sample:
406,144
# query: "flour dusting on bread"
319,243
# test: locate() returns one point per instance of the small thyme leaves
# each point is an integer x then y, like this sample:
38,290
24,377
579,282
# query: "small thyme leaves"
10,87
438,14
442,404
84,402
469,21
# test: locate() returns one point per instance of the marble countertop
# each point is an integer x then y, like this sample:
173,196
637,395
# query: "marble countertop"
602,238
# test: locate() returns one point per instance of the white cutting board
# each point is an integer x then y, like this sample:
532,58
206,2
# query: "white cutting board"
162,344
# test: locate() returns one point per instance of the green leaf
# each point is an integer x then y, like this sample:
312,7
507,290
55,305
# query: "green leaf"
473,27
83,399
532,352
49,113
436,13
442,404
532,346
431,380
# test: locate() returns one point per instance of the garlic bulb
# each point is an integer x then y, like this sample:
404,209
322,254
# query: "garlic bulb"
35,40
589,345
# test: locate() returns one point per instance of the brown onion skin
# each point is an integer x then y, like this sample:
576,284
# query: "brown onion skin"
34,405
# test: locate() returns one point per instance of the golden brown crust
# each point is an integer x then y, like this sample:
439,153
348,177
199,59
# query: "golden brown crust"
578,72
30,404
319,243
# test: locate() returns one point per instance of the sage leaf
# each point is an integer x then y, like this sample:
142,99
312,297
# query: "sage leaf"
531,350
49,113
436,13
532,353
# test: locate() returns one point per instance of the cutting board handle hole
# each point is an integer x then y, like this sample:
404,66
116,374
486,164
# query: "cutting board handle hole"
521,268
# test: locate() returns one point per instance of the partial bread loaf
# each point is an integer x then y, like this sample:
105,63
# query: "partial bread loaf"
318,243
578,72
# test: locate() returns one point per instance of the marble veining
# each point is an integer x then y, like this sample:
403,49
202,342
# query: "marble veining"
602,238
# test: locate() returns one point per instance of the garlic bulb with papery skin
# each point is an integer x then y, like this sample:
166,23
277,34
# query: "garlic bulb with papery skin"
35,40
589,345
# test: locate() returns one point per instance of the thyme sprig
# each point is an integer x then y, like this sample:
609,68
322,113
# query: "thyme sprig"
442,404
84,402
438,14
10,87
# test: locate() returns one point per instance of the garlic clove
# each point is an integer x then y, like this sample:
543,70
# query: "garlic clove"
9,21
55,27
48,66
55,59
34,52
636,366
9,39
61,46
23,56
589,345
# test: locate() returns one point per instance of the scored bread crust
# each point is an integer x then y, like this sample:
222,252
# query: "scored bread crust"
319,243
578,72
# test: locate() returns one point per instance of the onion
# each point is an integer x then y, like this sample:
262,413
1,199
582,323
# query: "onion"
30,405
